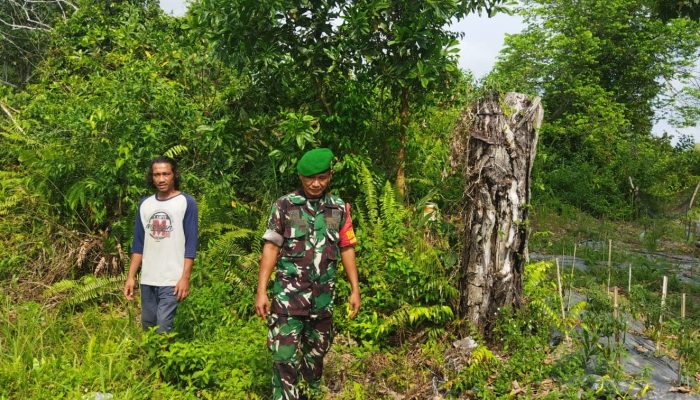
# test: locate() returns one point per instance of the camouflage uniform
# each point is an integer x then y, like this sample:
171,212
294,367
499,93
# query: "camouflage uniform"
300,323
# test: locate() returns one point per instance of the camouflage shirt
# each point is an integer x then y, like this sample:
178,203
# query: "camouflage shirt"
309,235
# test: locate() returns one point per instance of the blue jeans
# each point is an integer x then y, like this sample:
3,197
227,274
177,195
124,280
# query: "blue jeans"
158,306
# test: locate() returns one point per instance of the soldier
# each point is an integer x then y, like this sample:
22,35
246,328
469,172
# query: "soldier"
308,231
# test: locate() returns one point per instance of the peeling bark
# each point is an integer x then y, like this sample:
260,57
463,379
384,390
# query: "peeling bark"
495,146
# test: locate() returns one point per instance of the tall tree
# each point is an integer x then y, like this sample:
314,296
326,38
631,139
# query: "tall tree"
305,51
600,67
668,9
114,91
25,27
406,50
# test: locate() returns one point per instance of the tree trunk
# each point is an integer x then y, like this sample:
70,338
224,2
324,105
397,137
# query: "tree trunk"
495,144
404,114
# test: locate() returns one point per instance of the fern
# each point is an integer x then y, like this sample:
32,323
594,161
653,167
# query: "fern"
86,289
60,287
392,212
371,198
12,190
9,203
548,313
412,316
176,150
481,355
541,293
227,246
230,259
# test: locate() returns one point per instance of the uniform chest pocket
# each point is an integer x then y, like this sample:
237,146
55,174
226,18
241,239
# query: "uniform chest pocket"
294,247
294,236
333,217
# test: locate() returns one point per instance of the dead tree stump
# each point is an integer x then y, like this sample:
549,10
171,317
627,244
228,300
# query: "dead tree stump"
495,145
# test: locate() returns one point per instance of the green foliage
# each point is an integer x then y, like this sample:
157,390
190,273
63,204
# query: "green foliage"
395,247
362,68
408,316
47,356
544,304
24,33
297,134
88,288
601,68
236,91
482,364
233,363
668,9
16,225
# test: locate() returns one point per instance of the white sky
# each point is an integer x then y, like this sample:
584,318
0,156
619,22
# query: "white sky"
482,41
174,7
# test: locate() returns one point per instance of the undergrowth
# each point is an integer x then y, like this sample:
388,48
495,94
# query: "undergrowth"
79,338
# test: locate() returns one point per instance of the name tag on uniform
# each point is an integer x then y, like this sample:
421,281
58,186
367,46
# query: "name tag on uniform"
294,216
296,222
333,221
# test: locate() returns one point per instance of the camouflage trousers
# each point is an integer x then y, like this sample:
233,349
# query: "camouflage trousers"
298,345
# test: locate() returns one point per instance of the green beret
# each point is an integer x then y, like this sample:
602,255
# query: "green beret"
315,161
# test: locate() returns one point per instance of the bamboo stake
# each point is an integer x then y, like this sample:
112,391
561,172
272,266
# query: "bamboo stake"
616,313
559,289
561,301
683,333
609,263
664,287
687,211
571,278
683,306
629,278
563,252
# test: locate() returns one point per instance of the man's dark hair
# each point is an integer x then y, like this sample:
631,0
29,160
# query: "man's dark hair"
163,160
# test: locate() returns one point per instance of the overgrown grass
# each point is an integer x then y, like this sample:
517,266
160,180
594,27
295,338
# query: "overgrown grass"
402,344
48,354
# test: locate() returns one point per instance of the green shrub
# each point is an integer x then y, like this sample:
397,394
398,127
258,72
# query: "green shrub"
234,360
404,266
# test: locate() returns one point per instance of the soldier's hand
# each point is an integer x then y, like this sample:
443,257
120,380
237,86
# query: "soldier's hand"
262,305
354,304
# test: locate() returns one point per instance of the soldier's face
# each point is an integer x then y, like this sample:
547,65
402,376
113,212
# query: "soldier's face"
163,177
315,185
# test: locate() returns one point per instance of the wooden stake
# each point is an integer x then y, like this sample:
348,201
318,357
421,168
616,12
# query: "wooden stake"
687,211
664,287
683,333
683,306
664,290
629,278
571,279
609,263
561,297
616,314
